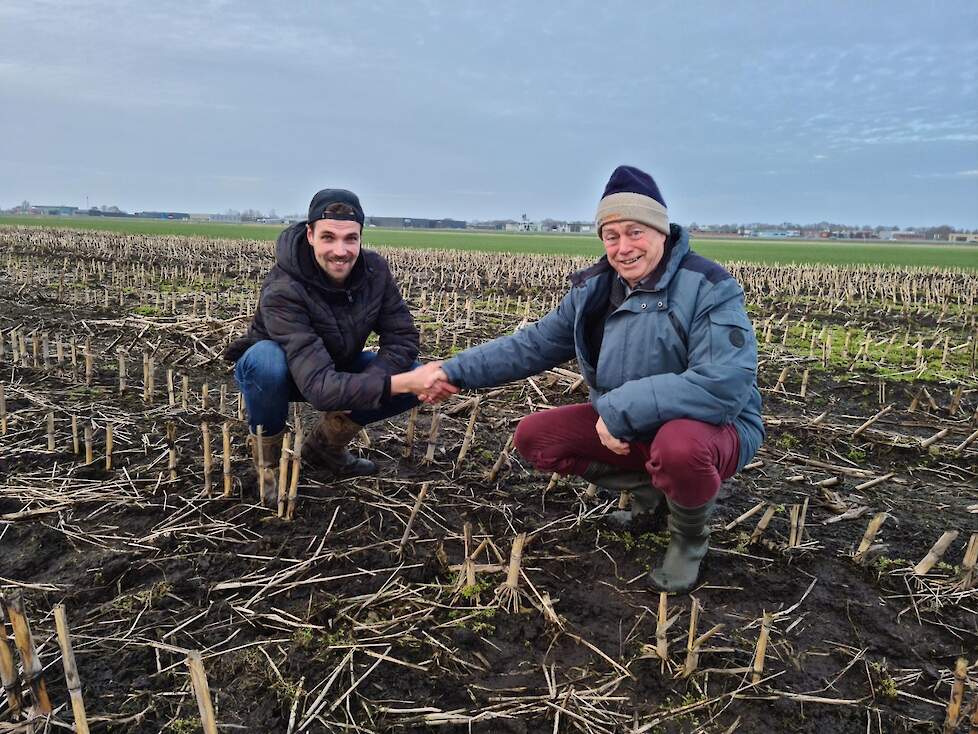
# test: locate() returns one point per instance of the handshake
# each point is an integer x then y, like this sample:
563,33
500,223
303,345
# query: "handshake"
429,382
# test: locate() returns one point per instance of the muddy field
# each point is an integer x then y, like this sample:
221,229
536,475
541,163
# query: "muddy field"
329,623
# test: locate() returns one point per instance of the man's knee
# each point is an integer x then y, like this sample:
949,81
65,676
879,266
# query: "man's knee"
529,436
679,448
264,364
524,439
543,448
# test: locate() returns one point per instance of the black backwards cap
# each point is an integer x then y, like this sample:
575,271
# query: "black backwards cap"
322,200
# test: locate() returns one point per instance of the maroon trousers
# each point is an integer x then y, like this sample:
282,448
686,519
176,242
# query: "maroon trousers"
686,459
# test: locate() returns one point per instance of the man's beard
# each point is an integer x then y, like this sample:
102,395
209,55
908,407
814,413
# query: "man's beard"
334,267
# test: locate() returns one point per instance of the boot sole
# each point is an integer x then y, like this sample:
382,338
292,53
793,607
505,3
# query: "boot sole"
650,582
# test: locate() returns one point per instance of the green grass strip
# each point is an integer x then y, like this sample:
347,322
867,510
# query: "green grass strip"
826,252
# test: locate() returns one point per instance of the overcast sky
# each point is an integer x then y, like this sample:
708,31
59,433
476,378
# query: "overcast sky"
855,112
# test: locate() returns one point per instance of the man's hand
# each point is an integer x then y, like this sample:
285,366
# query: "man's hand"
437,387
429,382
610,442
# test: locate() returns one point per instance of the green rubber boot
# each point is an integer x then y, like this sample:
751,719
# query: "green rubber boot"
645,498
688,544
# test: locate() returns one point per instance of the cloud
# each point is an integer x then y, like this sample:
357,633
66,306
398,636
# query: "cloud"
897,128
111,87
958,174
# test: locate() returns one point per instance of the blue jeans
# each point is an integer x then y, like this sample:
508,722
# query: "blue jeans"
268,388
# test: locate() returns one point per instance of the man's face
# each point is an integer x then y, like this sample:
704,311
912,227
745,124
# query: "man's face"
633,249
336,243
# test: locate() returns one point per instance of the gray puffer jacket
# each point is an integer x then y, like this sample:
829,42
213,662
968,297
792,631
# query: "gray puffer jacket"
684,348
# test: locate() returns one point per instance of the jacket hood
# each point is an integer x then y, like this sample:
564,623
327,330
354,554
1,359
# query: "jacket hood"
295,256
677,247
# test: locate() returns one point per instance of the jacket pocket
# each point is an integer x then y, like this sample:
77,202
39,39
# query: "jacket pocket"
732,337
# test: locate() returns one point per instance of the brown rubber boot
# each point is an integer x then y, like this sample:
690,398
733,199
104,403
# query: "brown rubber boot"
267,468
326,446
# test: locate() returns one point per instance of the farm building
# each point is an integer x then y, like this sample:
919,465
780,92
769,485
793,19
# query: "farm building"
56,210
896,235
777,234
415,223
162,215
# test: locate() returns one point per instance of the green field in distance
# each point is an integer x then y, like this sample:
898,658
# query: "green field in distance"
830,252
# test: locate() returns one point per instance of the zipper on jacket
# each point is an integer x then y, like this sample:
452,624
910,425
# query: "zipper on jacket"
677,326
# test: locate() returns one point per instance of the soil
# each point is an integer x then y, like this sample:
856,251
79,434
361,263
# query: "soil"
150,568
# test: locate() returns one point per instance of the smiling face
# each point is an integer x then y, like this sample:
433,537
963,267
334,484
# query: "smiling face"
336,243
633,249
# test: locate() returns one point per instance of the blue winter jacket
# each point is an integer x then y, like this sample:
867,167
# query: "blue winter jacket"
683,349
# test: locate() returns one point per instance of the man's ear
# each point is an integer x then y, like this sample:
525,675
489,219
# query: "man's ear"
309,235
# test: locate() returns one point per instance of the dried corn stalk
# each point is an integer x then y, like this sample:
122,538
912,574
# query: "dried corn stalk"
508,593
